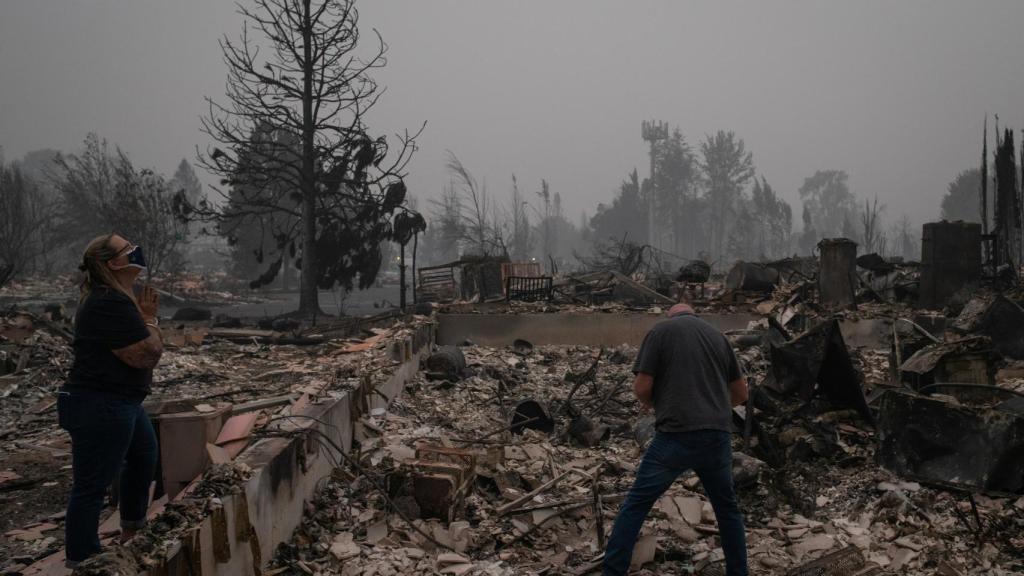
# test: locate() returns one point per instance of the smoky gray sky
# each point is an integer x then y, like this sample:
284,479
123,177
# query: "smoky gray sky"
892,92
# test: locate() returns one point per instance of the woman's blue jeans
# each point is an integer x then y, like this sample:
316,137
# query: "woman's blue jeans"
670,454
108,435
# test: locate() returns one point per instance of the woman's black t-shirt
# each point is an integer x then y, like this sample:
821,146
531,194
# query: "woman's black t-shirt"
106,321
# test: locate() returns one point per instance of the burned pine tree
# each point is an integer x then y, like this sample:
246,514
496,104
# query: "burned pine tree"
984,190
727,168
1007,204
258,207
322,189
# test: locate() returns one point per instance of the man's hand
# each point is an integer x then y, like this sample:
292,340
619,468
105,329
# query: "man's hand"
738,391
643,387
149,303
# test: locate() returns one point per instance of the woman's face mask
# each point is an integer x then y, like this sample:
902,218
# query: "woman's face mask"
135,259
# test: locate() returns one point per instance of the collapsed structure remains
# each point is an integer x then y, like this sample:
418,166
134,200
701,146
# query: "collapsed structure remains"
492,428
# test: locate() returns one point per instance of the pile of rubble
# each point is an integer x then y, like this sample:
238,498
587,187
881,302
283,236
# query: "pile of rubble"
34,459
502,467
61,289
242,376
877,439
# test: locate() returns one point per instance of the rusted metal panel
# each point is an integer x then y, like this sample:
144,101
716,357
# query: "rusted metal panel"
974,441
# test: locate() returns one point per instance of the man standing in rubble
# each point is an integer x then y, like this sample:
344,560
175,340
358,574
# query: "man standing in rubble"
687,371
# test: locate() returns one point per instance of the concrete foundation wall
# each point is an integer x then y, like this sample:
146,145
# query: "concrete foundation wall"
583,329
240,535
610,329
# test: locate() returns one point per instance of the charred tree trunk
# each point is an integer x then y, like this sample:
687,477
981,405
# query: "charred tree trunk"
309,304
984,190
299,163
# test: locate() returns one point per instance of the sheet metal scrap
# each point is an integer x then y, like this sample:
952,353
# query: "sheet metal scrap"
968,360
751,277
908,337
442,478
1000,319
845,562
818,360
968,438
533,415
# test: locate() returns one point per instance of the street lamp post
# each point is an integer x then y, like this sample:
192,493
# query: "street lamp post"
652,131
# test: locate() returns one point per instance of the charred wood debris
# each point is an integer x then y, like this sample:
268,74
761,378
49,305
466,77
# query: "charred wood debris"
879,438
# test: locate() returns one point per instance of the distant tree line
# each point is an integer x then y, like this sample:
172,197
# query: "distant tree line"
52,203
710,204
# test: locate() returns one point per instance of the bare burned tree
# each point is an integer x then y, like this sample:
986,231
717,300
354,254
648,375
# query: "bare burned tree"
22,212
337,186
519,233
870,224
481,231
101,191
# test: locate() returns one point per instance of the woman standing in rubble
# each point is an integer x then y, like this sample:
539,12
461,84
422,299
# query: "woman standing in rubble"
117,343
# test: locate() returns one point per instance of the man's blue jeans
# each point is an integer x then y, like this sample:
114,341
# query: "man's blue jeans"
670,454
108,434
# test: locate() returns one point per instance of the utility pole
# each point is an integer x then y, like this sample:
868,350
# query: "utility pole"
652,131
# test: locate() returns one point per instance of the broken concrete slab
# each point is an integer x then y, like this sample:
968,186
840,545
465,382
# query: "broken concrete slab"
643,551
184,431
813,543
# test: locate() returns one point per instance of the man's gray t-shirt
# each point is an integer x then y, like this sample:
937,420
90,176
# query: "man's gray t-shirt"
692,364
